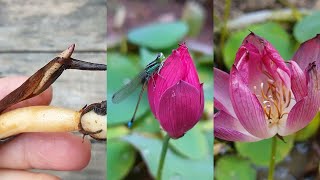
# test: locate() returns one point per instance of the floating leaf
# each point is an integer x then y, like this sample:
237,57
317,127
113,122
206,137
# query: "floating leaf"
259,152
158,35
117,131
193,144
175,167
232,167
121,157
147,124
207,129
307,28
270,31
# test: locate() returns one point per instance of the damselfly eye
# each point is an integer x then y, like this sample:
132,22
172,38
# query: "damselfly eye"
160,56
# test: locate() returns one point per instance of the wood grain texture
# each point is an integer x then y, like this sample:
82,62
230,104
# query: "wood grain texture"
48,27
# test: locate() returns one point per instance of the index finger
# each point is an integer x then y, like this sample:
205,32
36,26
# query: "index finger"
56,151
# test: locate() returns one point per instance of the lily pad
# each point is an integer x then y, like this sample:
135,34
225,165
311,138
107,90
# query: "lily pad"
147,124
121,157
117,131
259,152
207,129
121,70
233,167
175,166
270,31
193,144
307,28
158,35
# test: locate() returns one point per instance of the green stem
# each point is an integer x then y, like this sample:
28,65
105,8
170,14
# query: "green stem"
224,26
163,155
223,35
272,158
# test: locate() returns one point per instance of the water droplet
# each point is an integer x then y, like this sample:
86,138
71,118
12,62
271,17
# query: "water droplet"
176,176
146,152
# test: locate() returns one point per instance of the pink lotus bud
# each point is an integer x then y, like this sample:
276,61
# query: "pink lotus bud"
176,95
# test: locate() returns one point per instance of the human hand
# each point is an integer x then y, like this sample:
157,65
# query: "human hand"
51,151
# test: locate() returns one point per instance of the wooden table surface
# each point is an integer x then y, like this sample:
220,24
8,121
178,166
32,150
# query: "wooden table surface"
32,32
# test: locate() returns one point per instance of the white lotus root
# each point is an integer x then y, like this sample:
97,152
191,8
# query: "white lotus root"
91,120
52,119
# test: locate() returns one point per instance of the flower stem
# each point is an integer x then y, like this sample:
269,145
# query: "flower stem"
272,158
163,155
224,32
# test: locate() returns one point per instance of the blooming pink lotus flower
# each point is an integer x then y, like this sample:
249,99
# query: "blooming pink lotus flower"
263,96
176,95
